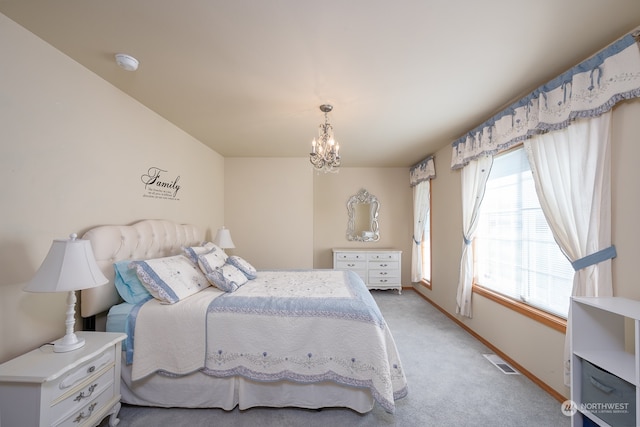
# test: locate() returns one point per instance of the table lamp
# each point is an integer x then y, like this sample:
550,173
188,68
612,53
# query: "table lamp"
223,239
69,266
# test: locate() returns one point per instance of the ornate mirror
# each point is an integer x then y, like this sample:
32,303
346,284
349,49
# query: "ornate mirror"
363,208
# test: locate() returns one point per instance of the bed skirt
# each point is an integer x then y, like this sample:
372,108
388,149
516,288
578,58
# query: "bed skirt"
198,390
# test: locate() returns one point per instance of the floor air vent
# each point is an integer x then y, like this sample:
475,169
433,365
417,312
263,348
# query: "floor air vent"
501,364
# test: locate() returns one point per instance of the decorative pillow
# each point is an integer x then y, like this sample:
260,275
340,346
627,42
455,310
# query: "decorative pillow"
211,260
193,251
242,265
170,279
227,278
127,283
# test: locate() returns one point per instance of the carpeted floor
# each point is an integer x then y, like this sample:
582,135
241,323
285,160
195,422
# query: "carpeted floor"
450,382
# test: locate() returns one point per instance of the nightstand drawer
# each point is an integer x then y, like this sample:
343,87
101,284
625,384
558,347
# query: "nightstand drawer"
80,396
83,372
79,417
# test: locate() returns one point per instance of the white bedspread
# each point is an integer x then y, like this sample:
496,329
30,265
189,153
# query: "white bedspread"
300,326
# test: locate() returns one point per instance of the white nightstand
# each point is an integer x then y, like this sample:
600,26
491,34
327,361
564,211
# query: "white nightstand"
78,388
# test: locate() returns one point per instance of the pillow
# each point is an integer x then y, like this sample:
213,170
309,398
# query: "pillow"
170,279
227,278
211,260
242,265
127,283
192,252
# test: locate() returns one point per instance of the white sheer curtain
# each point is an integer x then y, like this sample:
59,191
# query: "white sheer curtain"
419,179
572,173
474,181
420,211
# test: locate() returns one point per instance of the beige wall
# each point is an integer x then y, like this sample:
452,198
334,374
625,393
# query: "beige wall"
72,152
331,192
268,207
284,215
537,348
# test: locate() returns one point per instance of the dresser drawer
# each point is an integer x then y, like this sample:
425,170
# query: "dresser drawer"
351,265
98,405
384,256
384,265
78,397
384,280
388,274
351,256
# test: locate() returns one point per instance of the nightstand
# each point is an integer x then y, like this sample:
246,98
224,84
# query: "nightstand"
77,388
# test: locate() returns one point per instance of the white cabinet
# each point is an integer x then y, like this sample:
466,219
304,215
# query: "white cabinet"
378,268
605,360
76,388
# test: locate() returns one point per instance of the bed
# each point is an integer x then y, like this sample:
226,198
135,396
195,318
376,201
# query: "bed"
288,338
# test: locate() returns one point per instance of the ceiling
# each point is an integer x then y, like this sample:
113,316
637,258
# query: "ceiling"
405,77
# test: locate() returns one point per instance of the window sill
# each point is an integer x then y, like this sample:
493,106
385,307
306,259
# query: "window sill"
554,322
425,284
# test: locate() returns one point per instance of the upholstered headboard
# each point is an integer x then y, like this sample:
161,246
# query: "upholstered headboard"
146,239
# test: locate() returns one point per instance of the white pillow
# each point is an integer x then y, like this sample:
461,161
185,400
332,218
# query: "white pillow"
170,279
243,265
192,252
227,278
211,260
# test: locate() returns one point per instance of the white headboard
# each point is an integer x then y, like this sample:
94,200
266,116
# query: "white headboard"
151,238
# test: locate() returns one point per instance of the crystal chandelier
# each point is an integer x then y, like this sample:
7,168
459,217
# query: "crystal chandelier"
325,155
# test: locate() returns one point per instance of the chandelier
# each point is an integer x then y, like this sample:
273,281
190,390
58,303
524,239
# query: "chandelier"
325,154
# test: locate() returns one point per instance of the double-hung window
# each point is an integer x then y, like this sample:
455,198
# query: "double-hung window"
515,254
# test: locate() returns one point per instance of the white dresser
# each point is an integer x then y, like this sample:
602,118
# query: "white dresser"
378,268
76,388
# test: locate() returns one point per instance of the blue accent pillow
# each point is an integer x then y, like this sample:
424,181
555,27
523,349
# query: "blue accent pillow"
128,284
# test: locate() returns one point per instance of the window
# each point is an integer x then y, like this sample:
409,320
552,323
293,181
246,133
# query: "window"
515,254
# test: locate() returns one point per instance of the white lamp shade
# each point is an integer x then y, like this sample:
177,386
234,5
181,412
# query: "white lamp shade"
223,239
69,266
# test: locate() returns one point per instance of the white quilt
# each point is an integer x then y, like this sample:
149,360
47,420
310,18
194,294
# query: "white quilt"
301,326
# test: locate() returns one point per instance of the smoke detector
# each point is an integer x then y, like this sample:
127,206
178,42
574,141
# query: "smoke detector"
126,62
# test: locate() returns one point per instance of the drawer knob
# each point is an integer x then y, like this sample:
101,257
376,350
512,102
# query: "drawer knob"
383,273
81,416
81,396
91,369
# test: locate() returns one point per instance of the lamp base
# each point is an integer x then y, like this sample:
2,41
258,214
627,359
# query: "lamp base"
67,343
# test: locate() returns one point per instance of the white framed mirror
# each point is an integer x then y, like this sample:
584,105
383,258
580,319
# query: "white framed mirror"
362,210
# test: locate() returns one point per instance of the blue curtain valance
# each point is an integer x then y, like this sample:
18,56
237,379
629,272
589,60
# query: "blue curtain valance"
587,90
423,171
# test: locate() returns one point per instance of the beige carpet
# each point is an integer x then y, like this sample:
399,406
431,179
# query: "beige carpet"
451,383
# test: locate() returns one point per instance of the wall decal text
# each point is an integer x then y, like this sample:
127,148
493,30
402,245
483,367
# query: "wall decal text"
158,184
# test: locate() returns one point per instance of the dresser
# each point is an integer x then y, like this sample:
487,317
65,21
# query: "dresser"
378,268
77,388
